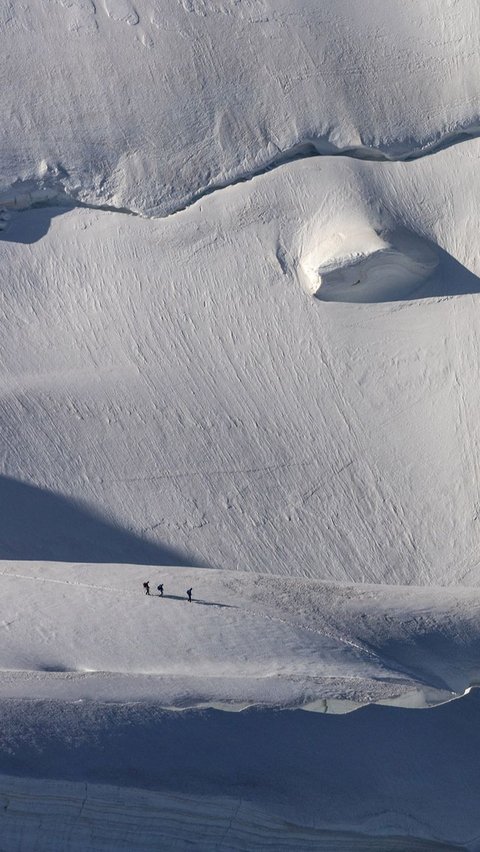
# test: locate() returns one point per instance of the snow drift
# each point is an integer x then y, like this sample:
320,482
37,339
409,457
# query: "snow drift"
363,266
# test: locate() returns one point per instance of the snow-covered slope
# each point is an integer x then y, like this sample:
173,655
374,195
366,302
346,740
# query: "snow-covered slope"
105,817
244,639
177,377
238,329
90,776
145,104
89,664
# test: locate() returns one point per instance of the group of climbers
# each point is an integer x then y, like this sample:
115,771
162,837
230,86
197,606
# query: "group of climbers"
146,586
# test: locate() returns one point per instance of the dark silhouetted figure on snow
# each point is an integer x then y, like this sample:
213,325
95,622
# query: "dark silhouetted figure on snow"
160,589
189,595
146,586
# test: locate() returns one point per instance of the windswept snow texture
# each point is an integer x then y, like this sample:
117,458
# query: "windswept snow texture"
145,104
238,331
176,378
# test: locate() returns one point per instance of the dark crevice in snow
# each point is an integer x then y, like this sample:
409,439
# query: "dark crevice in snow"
27,194
397,152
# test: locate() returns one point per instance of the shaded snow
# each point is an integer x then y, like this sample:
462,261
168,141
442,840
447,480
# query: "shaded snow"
131,776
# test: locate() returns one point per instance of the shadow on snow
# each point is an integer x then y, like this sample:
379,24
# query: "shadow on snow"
37,524
197,601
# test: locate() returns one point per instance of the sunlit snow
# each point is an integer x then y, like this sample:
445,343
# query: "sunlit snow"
239,354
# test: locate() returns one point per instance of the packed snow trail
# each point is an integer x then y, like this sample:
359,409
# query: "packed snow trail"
246,639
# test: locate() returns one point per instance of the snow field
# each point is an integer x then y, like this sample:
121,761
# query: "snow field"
153,108
175,378
170,392
90,632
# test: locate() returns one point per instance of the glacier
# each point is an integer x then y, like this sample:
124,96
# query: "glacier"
239,352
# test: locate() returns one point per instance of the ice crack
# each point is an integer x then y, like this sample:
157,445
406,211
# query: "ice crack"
53,192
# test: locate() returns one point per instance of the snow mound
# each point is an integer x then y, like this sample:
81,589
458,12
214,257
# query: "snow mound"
361,265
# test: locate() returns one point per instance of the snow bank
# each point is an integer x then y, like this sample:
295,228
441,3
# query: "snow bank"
244,640
362,266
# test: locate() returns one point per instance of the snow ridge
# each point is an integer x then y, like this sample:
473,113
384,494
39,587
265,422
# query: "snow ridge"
291,643
54,190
